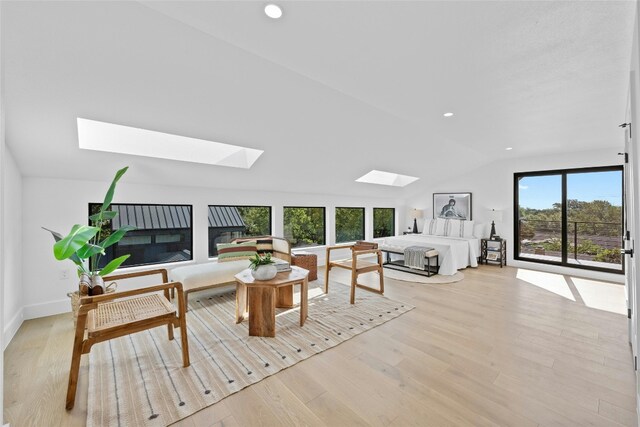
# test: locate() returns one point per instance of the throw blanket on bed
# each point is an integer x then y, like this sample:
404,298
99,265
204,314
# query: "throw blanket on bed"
414,256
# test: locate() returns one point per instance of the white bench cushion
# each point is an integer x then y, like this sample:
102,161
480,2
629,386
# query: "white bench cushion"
202,276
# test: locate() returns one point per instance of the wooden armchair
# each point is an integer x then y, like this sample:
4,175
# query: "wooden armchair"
113,315
357,266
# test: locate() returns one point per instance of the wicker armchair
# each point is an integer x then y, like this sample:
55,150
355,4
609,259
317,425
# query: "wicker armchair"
117,314
357,266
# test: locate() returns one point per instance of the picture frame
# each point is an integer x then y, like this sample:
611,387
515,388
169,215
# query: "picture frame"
452,206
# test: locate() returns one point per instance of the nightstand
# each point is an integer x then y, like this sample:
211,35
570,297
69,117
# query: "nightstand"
493,251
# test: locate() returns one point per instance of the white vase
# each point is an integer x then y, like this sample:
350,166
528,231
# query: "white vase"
264,272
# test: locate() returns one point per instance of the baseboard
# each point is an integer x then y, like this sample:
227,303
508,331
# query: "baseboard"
576,272
47,309
12,327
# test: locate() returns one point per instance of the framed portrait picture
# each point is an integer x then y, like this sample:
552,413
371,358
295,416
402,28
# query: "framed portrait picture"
452,205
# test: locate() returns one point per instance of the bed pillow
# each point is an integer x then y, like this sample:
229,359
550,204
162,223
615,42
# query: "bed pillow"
236,251
458,228
479,231
434,227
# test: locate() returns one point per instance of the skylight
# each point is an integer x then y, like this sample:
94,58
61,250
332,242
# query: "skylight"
387,178
112,138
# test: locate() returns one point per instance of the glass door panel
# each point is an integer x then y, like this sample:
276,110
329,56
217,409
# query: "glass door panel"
594,219
540,217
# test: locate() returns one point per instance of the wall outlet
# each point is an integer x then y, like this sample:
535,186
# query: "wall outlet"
63,274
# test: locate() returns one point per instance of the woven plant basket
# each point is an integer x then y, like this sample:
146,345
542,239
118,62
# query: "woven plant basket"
308,262
75,300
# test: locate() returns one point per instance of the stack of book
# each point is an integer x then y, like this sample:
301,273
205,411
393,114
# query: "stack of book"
281,265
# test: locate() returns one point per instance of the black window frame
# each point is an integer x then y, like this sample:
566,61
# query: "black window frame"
364,220
393,223
242,206
564,217
324,221
153,242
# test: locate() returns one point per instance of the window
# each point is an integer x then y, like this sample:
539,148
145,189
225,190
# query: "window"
230,222
570,217
349,224
304,226
163,233
384,222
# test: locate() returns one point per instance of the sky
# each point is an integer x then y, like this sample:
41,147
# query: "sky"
541,192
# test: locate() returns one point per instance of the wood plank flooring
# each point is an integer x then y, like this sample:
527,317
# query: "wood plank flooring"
491,350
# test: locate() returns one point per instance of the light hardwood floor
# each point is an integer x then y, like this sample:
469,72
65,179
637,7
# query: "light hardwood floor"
502,347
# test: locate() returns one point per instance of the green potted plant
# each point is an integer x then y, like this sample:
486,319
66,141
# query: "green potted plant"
263,267
84,245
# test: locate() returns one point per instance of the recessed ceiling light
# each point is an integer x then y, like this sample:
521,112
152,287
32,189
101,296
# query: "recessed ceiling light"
509,148
448,114
273,11
387,178
109,137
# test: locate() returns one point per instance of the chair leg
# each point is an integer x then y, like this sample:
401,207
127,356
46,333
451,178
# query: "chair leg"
185,341
170,331
75,361
354,282
182,321
326,278
381,274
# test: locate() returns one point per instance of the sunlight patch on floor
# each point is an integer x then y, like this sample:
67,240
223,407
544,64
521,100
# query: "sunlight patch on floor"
551,282
601,295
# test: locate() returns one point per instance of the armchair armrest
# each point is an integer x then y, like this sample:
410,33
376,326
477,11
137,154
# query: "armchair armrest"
367,251
161,271
331,248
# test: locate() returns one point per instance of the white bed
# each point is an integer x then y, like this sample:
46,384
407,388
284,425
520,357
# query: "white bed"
455,253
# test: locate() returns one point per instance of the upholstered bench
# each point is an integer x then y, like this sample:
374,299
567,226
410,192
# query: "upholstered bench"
430,255
220,273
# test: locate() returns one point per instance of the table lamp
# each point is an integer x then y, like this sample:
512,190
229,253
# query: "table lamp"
494,215
415,214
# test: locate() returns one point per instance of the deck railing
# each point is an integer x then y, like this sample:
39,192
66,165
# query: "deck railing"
607,235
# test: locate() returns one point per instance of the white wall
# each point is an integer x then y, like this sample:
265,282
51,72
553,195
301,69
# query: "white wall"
12,254
58,204
492,188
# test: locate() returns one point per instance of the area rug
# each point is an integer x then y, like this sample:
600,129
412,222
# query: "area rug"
408,277
138,380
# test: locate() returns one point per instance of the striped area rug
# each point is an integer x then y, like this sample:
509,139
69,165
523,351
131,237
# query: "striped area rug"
138,380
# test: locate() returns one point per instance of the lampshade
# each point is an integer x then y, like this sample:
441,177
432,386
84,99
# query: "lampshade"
416,213
495,215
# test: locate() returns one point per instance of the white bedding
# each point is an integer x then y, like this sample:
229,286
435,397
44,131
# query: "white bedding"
455,253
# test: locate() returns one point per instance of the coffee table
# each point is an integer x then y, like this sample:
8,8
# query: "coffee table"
261,297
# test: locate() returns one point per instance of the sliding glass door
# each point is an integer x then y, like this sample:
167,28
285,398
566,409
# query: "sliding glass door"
540,217
570,217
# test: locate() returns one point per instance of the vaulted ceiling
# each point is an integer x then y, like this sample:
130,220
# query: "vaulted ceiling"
329,91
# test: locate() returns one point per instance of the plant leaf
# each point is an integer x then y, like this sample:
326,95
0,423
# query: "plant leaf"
106,215
89,250
76,239
57,237
116,236
109,196
113,265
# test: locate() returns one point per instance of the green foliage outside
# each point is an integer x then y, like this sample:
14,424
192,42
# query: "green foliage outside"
304,226
597,211
598,219
383,222
257,219
349,224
